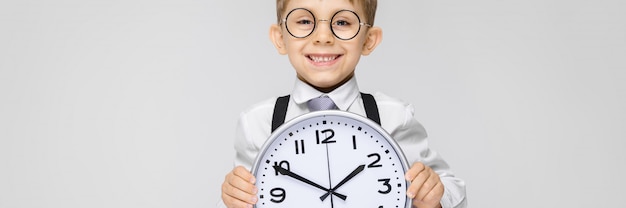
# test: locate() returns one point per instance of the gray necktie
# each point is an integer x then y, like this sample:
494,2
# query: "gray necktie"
321,103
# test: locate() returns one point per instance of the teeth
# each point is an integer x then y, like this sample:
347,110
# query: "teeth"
322,59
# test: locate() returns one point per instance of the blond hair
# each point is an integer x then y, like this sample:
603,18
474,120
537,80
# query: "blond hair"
368,6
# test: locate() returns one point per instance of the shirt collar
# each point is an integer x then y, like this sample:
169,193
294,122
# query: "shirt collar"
343,96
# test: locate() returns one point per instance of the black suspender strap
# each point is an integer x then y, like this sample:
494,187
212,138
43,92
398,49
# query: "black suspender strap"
280,111
371,108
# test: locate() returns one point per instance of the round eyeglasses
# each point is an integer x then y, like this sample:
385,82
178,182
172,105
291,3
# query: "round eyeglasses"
344,24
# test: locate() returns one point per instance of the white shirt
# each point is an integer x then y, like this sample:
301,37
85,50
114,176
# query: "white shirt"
254,128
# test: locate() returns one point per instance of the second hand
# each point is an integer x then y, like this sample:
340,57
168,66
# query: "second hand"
330,182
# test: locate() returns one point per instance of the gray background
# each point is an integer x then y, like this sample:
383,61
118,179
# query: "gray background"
134,103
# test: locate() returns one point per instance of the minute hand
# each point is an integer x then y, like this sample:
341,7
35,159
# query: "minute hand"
350,176
307,181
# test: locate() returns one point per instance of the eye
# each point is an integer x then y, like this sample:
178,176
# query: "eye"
342,23
305,22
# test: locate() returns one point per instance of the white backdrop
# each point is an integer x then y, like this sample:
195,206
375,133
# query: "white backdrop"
134,103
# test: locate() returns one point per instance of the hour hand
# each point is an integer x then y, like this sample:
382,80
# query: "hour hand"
286,172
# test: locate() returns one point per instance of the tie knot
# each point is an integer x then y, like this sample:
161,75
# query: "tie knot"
321,103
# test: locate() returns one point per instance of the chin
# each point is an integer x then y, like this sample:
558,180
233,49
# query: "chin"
323,83
326,82
325,86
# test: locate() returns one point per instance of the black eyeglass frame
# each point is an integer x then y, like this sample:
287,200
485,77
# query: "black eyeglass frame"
315,20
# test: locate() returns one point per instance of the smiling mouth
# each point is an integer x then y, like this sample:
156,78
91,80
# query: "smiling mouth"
322,58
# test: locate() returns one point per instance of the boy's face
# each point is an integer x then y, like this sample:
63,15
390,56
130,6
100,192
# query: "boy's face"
321,59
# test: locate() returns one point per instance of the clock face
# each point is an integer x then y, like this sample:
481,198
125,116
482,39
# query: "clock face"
331,159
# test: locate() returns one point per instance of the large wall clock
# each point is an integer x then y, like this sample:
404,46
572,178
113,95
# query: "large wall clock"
331,159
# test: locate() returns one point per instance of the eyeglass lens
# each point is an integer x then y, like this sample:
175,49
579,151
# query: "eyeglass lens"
345,24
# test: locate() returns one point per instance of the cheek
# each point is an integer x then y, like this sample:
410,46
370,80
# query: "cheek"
353,58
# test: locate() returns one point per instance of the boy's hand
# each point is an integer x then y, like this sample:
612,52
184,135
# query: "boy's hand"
238,189
426,188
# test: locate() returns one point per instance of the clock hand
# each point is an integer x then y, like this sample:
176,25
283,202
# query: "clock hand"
350,176
283,171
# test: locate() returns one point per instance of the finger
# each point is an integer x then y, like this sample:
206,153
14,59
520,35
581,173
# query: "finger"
414,171
242,180
435,195
232,202
417,183
241,172
429,185
240,184
235,194
238,188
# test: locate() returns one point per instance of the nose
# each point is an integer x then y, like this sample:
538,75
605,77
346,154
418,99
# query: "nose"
323,34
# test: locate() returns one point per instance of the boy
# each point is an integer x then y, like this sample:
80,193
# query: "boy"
324,40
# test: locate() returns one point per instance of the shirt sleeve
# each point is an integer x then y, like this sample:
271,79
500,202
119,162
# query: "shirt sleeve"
252,130
245,150
411,137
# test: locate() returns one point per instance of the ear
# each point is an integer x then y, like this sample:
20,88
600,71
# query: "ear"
276,36
374,37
